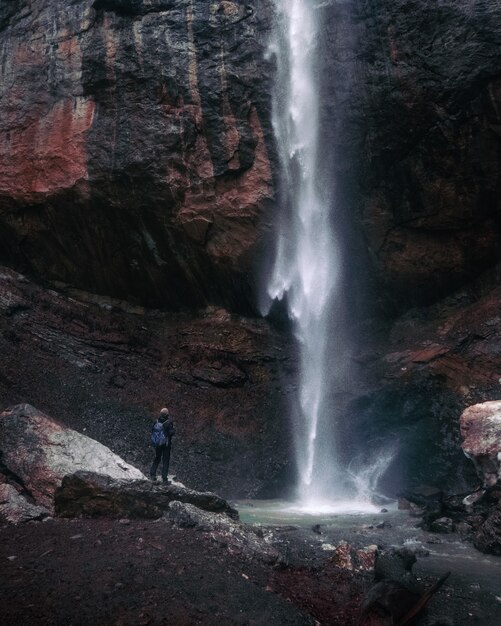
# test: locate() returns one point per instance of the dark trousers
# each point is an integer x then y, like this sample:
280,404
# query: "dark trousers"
162,453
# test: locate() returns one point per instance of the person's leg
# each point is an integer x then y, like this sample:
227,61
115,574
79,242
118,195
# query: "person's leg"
158,456
166,461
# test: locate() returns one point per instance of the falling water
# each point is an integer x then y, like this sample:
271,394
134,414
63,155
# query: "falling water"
306,264
306,273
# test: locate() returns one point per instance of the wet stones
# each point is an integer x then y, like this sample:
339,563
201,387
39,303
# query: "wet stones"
442,525
488,537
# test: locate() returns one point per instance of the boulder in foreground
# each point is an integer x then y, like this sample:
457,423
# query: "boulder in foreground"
481,431
37,452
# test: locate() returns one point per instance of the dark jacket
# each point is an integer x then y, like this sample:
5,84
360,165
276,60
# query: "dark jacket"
169,429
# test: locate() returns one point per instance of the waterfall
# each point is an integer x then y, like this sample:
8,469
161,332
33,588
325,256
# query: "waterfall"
306,264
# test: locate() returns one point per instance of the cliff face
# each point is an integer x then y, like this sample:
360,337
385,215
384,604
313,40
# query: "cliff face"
428,88
133,157
137,158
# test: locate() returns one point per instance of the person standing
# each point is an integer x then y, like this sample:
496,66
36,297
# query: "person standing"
161,438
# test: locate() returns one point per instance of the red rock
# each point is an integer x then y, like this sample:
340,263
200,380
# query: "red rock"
428,354
481,431
40,451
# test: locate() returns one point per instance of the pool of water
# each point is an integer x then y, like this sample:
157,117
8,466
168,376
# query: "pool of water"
282,512
475,580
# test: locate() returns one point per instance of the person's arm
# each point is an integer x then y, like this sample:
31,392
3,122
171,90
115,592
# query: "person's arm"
171,431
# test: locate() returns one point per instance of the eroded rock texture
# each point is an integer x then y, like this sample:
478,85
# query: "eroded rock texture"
433,143
133,157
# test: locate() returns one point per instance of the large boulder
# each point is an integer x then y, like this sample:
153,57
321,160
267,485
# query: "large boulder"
481,431
89,494
37,452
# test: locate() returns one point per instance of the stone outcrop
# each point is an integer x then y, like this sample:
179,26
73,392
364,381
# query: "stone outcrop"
398,595
488,536
234,536
37,452
133,146
91,494
481,431
475,516
15,508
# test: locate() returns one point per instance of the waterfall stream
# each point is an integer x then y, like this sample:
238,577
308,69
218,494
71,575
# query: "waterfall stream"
306,263
306,273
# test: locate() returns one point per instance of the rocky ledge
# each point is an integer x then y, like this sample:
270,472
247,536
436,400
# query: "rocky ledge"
39,457
88,494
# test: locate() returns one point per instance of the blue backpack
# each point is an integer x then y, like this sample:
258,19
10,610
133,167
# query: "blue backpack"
158,435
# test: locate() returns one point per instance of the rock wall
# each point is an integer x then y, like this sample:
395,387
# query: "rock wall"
137,160
106,369
428,92
133,146
137,156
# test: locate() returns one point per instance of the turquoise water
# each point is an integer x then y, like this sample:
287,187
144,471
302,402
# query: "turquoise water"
284,513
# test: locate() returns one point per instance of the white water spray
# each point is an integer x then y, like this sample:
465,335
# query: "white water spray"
306,263
306,271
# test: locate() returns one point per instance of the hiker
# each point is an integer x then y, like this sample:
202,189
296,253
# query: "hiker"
161,438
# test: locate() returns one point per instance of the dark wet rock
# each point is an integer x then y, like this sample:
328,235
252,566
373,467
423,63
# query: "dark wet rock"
488,536
15,508
416,511
442,525
428,122
423,495
317,529
396,588
464,529
397,595
87,494
37,452
225,530
434,540
383,525
396,564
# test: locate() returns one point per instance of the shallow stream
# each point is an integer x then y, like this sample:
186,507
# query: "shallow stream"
471,595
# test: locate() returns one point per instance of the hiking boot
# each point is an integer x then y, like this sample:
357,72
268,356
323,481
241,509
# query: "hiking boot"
153,479
166,481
